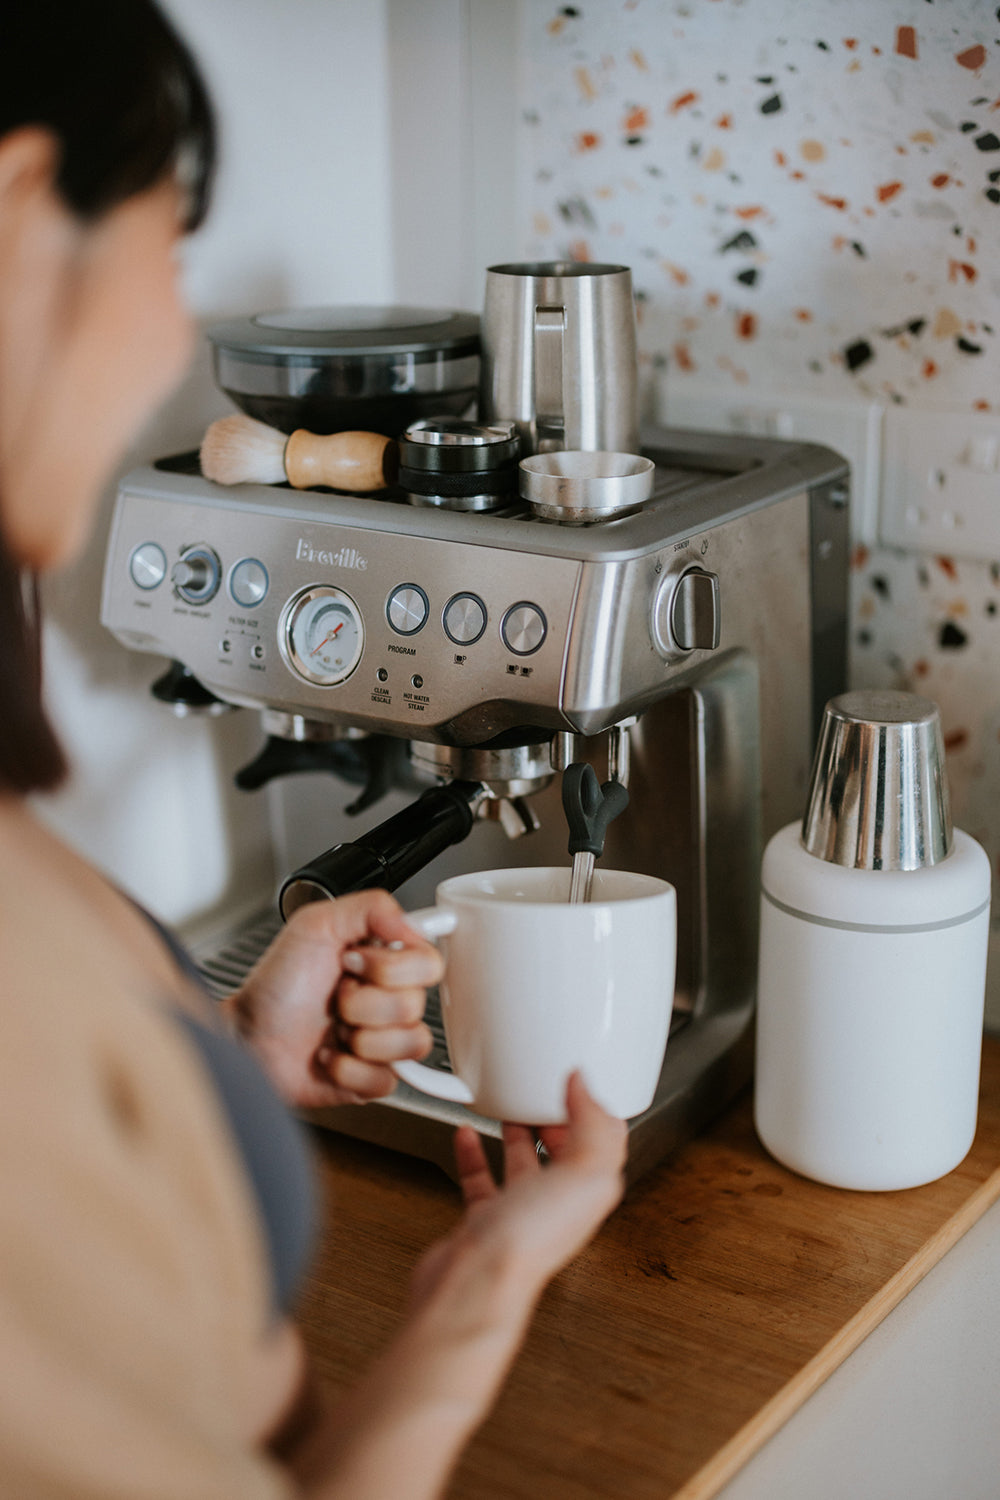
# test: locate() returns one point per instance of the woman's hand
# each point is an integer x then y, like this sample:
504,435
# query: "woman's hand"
544,1214
338,996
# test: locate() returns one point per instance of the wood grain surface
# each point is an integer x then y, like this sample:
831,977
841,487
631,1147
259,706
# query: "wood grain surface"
718,1297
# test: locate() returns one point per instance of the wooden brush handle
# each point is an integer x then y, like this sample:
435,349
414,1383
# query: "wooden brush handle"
355,461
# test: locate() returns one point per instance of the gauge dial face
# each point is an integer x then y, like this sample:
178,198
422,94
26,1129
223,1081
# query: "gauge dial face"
322,634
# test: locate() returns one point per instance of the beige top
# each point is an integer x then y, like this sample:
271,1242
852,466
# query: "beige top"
134,1300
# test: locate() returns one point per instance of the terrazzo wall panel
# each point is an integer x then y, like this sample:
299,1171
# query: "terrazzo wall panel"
808,193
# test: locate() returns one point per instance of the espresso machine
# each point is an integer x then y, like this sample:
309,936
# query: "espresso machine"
452,645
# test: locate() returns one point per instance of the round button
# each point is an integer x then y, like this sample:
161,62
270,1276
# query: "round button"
523,628
248,582
407,609
148,566
464,619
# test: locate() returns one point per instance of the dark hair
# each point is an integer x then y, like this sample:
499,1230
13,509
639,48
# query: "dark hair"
121,91
114,81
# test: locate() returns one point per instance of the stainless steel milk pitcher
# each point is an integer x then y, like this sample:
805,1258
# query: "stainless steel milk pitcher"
559,355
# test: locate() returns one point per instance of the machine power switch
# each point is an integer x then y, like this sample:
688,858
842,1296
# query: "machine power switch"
148,566
695,621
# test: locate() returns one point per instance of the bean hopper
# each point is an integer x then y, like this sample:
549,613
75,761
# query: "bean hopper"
683,643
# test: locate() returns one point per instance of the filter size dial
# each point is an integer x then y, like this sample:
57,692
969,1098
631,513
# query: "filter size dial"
321,634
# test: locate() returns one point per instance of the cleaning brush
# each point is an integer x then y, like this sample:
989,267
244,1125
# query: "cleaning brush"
241,450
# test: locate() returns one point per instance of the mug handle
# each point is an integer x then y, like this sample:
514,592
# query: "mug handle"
433,922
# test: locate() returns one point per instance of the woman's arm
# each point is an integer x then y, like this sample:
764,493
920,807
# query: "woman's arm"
327,1037
403,1427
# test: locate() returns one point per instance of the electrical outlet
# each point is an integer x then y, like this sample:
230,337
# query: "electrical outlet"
850,428
941,482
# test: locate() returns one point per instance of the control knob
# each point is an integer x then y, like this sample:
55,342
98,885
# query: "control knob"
196,575
686,613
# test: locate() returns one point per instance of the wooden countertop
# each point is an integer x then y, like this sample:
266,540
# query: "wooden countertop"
721,1293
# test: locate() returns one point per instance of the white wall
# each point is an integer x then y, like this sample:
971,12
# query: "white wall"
453,110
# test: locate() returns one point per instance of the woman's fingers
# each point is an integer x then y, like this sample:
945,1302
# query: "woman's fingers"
368,1005
394,967
385,1044
591,1136
520,1152
382,1026
350,1075
474,1175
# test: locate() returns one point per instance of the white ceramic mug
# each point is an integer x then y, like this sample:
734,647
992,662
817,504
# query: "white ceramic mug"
535,988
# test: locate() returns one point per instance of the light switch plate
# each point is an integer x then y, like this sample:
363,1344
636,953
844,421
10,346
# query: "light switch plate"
850,428
941,482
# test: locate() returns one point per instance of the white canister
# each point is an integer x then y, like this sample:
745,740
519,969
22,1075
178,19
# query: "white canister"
874,933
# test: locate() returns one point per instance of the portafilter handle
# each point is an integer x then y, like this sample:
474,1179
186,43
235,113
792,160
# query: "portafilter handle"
389,854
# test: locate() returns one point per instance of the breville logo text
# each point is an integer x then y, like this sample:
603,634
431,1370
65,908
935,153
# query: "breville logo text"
347,557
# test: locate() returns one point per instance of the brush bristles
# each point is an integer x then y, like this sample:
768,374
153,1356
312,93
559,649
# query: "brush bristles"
241,450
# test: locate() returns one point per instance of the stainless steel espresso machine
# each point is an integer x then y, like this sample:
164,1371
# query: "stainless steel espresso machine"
684,645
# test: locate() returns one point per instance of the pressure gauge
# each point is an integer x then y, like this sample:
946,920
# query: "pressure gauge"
322,634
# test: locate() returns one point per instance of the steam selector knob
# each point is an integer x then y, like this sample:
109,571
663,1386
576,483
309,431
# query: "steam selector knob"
687,614
196,575
695,621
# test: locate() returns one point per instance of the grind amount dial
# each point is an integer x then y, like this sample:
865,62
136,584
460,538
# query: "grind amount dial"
322,635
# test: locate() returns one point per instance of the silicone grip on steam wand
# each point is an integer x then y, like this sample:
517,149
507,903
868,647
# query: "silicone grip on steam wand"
589,808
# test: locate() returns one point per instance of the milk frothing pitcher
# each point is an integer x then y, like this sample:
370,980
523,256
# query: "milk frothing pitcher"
559,355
